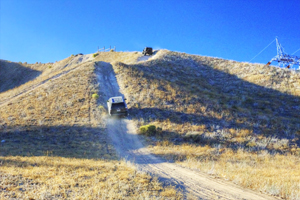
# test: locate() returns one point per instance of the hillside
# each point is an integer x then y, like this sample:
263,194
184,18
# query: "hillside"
54,145
237,122
11,75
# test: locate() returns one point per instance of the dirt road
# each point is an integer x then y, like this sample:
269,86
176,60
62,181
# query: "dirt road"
129,146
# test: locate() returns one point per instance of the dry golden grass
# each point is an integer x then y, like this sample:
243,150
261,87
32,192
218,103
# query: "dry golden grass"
273,174
12,75
54,145
112,57
236,121
24,73
49,177
216,113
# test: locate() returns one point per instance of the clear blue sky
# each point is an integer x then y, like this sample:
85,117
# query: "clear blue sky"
51,30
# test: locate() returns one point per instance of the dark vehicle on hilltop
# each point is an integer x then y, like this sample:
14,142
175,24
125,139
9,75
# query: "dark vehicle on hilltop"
79,54
147,50
117,107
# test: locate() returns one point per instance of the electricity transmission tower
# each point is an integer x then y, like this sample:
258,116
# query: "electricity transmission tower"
284,60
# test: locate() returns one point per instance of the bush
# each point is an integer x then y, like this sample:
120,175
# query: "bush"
95,54
95,96
148,130
101,107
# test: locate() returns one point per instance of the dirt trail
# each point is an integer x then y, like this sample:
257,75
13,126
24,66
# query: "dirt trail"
143,58
129,146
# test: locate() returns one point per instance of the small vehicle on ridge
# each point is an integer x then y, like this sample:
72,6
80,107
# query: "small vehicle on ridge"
147,50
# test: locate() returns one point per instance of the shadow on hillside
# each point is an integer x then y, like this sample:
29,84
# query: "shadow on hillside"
14,74
65,141
215,136
60,141
262,110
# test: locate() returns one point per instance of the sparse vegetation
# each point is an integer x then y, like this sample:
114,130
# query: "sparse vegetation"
95,55
222,117
95,96
13,75
235,121
148,130
56,145
64,178
101,107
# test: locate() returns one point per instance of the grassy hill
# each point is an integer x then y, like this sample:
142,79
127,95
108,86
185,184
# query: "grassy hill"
54,143
236,121
12,75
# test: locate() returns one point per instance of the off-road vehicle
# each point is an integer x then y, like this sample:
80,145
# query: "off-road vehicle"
147,50
116,106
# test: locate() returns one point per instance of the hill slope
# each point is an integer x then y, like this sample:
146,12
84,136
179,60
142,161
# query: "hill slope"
234,121
12,75
130,146
54,145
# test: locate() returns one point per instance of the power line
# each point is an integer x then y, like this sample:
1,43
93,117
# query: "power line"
262,50
295,52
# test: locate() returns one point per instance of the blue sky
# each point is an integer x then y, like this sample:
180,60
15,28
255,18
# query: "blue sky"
51,30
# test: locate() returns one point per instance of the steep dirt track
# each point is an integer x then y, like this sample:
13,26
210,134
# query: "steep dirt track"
129,146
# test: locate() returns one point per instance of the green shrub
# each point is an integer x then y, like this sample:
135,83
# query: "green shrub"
95,96
101,107
95,54
148,130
